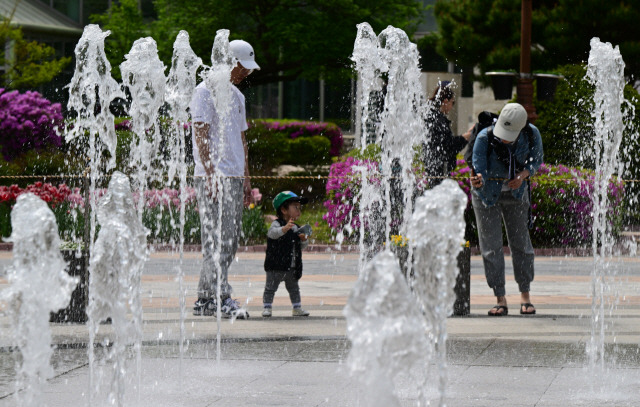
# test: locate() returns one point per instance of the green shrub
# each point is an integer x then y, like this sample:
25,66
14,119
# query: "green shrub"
254,228
275,142
312,188
267,150
163,221
48,162
312,150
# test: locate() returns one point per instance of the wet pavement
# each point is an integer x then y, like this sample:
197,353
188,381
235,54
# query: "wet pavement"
509,361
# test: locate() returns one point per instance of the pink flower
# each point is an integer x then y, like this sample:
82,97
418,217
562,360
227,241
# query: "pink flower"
256,196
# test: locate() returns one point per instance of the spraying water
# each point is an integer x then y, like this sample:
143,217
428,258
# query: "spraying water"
115,270
369,67
181,84
386,330
390,104
437,234
218,81
143,74
606,72
91,90
38,285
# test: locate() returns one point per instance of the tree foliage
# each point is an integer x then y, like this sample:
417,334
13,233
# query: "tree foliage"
487,33
567,129
125,22
30,63
568,136
291,38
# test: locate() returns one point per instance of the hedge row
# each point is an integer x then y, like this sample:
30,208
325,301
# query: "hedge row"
276,142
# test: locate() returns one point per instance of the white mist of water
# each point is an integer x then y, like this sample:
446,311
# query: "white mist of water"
181,84
386,330
437,234
38,285
143,75
115,271
606,72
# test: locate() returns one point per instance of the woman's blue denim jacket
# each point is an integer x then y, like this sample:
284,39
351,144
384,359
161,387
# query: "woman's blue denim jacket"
491,167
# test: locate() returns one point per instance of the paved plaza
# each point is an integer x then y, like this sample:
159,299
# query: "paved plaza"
510,361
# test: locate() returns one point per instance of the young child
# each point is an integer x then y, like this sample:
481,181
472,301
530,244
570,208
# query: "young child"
283,261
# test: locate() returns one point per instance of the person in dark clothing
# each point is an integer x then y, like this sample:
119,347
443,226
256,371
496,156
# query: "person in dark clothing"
441,147
283,260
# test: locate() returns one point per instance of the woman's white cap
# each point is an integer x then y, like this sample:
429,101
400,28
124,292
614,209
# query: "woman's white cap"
511,121
243,52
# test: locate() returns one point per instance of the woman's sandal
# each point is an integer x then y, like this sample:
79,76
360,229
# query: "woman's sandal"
526,306
501,310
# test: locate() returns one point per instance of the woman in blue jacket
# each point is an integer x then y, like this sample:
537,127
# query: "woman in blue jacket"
504,156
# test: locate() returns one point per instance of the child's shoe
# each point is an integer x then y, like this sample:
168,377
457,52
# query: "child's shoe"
299,312
266,313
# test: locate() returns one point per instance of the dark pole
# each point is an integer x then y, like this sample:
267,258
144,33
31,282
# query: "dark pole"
524,88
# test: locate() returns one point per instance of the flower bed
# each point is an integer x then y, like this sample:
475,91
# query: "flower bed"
561,203
161,214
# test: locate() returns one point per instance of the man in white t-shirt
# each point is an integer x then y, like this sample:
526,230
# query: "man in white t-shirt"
222,151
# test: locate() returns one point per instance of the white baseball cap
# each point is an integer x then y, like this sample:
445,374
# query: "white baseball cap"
511,121
243,52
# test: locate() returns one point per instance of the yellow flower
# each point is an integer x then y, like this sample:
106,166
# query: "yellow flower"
251,206
399,240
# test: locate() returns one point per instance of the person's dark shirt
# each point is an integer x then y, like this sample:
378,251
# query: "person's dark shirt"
441,147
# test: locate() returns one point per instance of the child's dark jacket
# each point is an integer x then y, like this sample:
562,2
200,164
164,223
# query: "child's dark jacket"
280,252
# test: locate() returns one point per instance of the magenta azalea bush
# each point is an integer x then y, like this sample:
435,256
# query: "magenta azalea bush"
562,205
28,121
561,202
343,187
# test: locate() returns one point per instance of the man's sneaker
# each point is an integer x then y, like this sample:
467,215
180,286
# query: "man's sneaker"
204,307
299,312
266,312
231,309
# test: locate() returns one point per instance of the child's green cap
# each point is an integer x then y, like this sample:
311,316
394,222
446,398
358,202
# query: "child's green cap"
284,196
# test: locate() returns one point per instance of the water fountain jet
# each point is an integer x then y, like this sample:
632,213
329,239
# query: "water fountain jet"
39,284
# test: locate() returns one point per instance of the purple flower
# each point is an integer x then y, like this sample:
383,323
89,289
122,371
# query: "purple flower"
124,125
28,121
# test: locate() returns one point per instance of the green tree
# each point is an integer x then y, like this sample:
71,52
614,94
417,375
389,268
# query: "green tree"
125,22
29,63
291,38
487,33
568,136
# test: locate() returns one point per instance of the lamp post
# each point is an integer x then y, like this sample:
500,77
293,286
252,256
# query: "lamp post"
524,87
